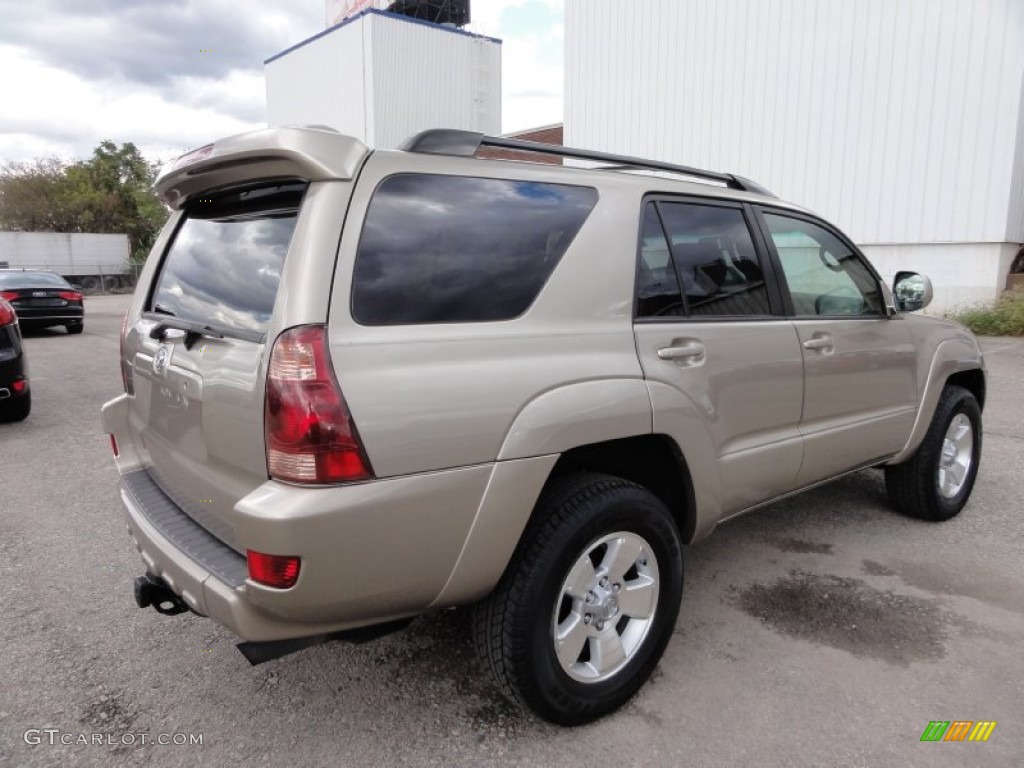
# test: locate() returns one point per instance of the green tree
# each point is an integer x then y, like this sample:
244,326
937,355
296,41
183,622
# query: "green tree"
111,192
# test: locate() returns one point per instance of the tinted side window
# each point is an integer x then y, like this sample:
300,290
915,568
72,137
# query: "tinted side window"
657,286
454,249
224,264
715,256
825,277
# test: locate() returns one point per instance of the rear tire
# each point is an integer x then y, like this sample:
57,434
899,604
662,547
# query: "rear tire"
75,328
588,603
15,408
935,483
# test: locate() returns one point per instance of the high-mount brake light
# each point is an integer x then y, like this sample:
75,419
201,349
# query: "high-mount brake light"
193,157
310,434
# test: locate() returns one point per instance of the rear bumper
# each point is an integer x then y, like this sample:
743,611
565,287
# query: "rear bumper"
370,552
49,315
12,370
364,561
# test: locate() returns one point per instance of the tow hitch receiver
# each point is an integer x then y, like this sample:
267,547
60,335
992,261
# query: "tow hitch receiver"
150,591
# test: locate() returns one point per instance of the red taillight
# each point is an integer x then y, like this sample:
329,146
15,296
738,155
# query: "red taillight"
126,365
7,315
113,446
310,435
280,571
20,386
70,295
9,295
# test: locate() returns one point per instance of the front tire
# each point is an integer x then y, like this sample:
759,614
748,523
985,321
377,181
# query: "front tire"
588,603
935,483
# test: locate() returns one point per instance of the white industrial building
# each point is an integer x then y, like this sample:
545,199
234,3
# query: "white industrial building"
383,77
901,121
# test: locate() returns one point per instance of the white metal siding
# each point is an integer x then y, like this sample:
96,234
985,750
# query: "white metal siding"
321,83
1015,225
426,79
382,78
65,252
897,119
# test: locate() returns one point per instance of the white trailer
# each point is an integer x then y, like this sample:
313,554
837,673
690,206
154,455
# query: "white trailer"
94,261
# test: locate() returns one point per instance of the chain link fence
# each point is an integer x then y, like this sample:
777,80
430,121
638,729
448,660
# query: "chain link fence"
94,279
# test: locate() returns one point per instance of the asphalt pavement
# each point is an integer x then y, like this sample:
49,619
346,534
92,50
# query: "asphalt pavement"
825,630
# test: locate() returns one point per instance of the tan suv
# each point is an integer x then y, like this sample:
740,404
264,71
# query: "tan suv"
362,385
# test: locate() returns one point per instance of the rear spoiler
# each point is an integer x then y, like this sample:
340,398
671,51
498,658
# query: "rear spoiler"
310,153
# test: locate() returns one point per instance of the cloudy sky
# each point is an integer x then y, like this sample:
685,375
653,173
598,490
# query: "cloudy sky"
171,75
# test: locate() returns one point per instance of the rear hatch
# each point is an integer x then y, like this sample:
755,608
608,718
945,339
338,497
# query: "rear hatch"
198,344
249,253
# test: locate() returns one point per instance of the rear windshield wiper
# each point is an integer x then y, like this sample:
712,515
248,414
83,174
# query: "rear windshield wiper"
193,331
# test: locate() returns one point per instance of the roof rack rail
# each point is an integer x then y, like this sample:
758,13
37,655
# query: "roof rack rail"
450,141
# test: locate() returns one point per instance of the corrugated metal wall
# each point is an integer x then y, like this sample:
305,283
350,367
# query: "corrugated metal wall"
900,120
65,252
321,83
422,79
382,78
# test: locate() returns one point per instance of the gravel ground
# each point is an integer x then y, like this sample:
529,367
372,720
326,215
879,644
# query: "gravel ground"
823,630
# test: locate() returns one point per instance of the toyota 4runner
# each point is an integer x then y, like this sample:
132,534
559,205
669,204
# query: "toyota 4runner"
363,385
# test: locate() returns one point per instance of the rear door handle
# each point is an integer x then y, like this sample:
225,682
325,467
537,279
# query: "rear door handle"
822,341
693,352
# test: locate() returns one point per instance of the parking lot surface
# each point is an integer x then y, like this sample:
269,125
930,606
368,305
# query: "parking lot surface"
822,630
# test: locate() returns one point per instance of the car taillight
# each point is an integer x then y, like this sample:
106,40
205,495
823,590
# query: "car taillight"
280,571
113,446
127,378
8,295
7,316
70,295
310,435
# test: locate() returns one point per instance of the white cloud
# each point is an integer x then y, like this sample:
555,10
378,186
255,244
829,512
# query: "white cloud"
60,113
531,70
76,74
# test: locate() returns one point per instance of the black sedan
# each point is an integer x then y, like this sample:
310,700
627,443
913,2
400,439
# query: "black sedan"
42,299
15,398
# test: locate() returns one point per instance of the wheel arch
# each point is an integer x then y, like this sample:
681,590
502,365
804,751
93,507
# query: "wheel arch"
510,503
955,361
653,461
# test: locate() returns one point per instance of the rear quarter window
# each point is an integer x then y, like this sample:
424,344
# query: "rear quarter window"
223,266
455,249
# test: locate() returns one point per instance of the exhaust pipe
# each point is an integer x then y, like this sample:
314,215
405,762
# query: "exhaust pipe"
151,591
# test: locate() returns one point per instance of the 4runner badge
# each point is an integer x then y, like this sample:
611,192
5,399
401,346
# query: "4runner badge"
162,359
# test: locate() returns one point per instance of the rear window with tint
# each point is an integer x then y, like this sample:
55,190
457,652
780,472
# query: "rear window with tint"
20,279
454,249
224,264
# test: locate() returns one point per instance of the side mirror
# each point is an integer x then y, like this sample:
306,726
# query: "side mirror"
911,291
77,287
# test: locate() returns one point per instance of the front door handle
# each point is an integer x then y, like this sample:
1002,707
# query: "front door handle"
822,341
694,352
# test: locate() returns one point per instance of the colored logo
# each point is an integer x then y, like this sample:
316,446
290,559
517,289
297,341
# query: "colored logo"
958,730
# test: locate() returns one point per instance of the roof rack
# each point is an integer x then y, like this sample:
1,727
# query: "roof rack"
449,141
